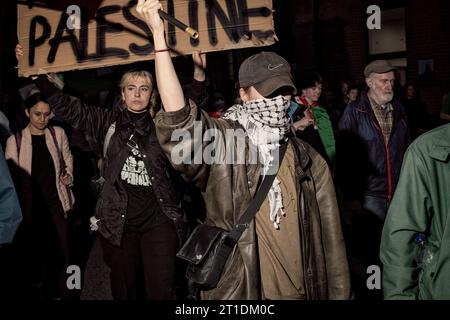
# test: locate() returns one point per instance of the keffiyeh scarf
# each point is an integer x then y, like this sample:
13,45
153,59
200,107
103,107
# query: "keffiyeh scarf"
266,123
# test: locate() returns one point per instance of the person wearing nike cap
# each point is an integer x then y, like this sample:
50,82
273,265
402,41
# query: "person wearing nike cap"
293,248
368,175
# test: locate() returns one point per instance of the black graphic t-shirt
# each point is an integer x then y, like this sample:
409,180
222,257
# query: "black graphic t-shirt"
143,212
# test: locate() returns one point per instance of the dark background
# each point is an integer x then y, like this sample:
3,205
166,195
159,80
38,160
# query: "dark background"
326,35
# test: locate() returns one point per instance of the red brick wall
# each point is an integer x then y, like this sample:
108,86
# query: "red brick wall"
340,51
428,37
352,16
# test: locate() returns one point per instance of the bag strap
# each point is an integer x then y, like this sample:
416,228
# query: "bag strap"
257,201
109,134
55,141
62,164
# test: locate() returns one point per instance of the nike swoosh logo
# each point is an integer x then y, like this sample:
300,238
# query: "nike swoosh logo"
270,67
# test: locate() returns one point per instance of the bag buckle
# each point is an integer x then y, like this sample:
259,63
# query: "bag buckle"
229,241
198,257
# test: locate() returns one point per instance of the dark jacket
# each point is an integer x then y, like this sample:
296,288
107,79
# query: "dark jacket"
228,190
112,201
369,168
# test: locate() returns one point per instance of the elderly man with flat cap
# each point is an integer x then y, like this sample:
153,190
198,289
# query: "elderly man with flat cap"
372,140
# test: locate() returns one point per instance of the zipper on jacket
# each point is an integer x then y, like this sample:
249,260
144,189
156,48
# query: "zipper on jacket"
388,158
388,162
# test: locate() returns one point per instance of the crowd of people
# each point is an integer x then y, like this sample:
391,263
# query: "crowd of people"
351,191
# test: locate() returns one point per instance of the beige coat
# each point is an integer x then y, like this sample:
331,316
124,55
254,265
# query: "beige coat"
24,162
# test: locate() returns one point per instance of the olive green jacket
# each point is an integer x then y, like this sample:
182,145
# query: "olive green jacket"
228,190
421,204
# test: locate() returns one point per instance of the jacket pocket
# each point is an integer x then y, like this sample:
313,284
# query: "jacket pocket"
436,278
428,274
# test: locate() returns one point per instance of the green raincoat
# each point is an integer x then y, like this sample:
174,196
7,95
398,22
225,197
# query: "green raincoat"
421,204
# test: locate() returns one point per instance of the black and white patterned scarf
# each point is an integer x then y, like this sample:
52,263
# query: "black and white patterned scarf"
266,124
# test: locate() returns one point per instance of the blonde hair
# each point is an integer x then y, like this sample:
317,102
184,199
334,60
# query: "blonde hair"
133,74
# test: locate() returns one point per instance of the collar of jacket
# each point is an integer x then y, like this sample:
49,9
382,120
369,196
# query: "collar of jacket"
441,147
365,106
142,126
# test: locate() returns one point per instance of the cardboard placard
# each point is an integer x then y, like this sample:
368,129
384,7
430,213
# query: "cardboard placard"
93,34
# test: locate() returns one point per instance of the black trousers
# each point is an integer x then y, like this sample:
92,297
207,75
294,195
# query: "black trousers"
39,256
143,267
365,246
